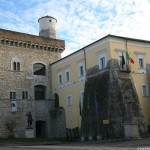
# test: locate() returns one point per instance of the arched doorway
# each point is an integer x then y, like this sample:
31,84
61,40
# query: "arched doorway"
56,98
40,128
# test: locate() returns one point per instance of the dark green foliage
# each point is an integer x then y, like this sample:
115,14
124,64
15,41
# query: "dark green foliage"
11,123
108,104
148,127
109,86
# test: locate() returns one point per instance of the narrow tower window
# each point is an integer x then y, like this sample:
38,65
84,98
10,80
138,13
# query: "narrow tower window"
14,65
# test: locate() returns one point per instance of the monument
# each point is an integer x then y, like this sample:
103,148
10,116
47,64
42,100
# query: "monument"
29,133
130,124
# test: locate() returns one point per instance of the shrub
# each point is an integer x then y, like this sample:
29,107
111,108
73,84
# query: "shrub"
148,126
11,123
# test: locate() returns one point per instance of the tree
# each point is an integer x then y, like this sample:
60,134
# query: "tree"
11,123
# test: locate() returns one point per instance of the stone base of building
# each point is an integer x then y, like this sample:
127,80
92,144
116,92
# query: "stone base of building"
82,138
98,137
90,138
29,133
131,131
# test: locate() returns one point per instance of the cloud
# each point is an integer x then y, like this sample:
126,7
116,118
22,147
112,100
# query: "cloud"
80,22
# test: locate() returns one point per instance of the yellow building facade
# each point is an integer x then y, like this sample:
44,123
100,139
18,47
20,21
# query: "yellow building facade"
69,73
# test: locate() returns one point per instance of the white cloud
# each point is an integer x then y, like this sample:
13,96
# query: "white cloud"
81,22
2,1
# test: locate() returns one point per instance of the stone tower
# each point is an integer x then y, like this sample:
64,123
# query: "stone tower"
25,78
47,27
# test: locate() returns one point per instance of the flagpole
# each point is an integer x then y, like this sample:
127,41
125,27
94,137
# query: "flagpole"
98,136
89,115
127,51
128,58
90,136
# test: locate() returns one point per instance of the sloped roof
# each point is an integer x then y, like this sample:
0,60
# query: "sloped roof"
109,35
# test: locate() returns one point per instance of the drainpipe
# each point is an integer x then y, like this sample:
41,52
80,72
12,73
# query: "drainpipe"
85,63
82,136
127,61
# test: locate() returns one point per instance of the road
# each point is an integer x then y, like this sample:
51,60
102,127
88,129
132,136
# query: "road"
67,148
143,144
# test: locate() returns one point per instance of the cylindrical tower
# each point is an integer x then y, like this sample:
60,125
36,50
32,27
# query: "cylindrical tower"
47,27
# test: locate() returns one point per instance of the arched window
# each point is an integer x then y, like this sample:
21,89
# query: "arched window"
18,66
24,94
39,69
56,97
14,65
40,92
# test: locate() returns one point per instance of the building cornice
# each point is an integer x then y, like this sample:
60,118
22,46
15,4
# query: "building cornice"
107,38
12,38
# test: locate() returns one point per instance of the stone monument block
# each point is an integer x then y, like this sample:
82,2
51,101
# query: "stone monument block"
131,131
29,133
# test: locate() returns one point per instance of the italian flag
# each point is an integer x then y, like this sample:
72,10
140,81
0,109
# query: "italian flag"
129,58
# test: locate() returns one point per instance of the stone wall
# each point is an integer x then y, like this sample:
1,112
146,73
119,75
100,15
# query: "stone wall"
24,80
23,106
104,100
58,123
32,41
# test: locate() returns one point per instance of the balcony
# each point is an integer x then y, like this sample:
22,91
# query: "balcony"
124,68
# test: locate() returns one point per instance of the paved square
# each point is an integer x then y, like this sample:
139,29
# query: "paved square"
66,148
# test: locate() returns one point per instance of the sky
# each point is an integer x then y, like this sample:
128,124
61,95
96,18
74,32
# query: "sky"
79,22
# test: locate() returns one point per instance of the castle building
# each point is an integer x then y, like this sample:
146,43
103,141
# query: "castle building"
89,87
25,77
